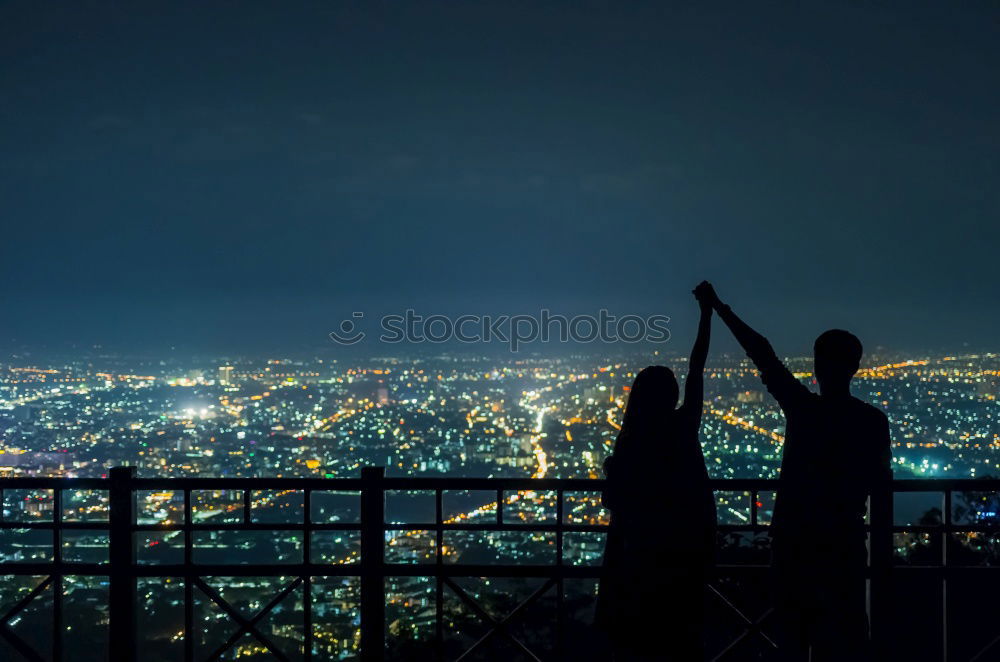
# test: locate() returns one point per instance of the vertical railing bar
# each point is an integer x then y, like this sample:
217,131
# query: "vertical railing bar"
307,533
121,553
753,509
439,582
947,526
307,528
500,506
57,582
246,506
188,581
560,585
57,526
945,537
559,526
186,524
372,564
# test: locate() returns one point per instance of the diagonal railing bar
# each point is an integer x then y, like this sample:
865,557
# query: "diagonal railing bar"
985,649
485,616
247,625
8,633
754,628
253,621
23,602
511,617
19,644
751,626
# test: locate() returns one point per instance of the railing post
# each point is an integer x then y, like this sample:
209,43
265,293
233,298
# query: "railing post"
372,564
122,557
881,517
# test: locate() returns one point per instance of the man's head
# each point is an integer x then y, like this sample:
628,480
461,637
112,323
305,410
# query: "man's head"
837,355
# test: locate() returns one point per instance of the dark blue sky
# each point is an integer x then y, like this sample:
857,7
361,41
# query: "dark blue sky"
242,174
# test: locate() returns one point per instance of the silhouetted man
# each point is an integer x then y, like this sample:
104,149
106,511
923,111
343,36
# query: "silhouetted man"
836,450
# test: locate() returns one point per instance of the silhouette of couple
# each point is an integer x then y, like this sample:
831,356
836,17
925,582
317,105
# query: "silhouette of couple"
660,546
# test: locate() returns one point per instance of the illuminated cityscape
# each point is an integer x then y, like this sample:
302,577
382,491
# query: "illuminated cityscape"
455,416
440,416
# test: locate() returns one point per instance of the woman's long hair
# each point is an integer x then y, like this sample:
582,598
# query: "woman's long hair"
642,448
651,404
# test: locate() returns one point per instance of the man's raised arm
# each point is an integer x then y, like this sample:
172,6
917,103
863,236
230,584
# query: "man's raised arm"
779,380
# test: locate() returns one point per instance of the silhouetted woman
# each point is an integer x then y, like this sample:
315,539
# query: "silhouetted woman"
662,535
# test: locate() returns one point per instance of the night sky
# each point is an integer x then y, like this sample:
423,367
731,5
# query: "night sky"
240,175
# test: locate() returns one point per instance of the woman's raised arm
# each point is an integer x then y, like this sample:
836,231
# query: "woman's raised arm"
694,385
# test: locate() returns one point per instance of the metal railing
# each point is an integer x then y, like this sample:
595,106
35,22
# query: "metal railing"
371,568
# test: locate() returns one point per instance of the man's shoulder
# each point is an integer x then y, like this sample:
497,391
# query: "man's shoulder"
869,411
